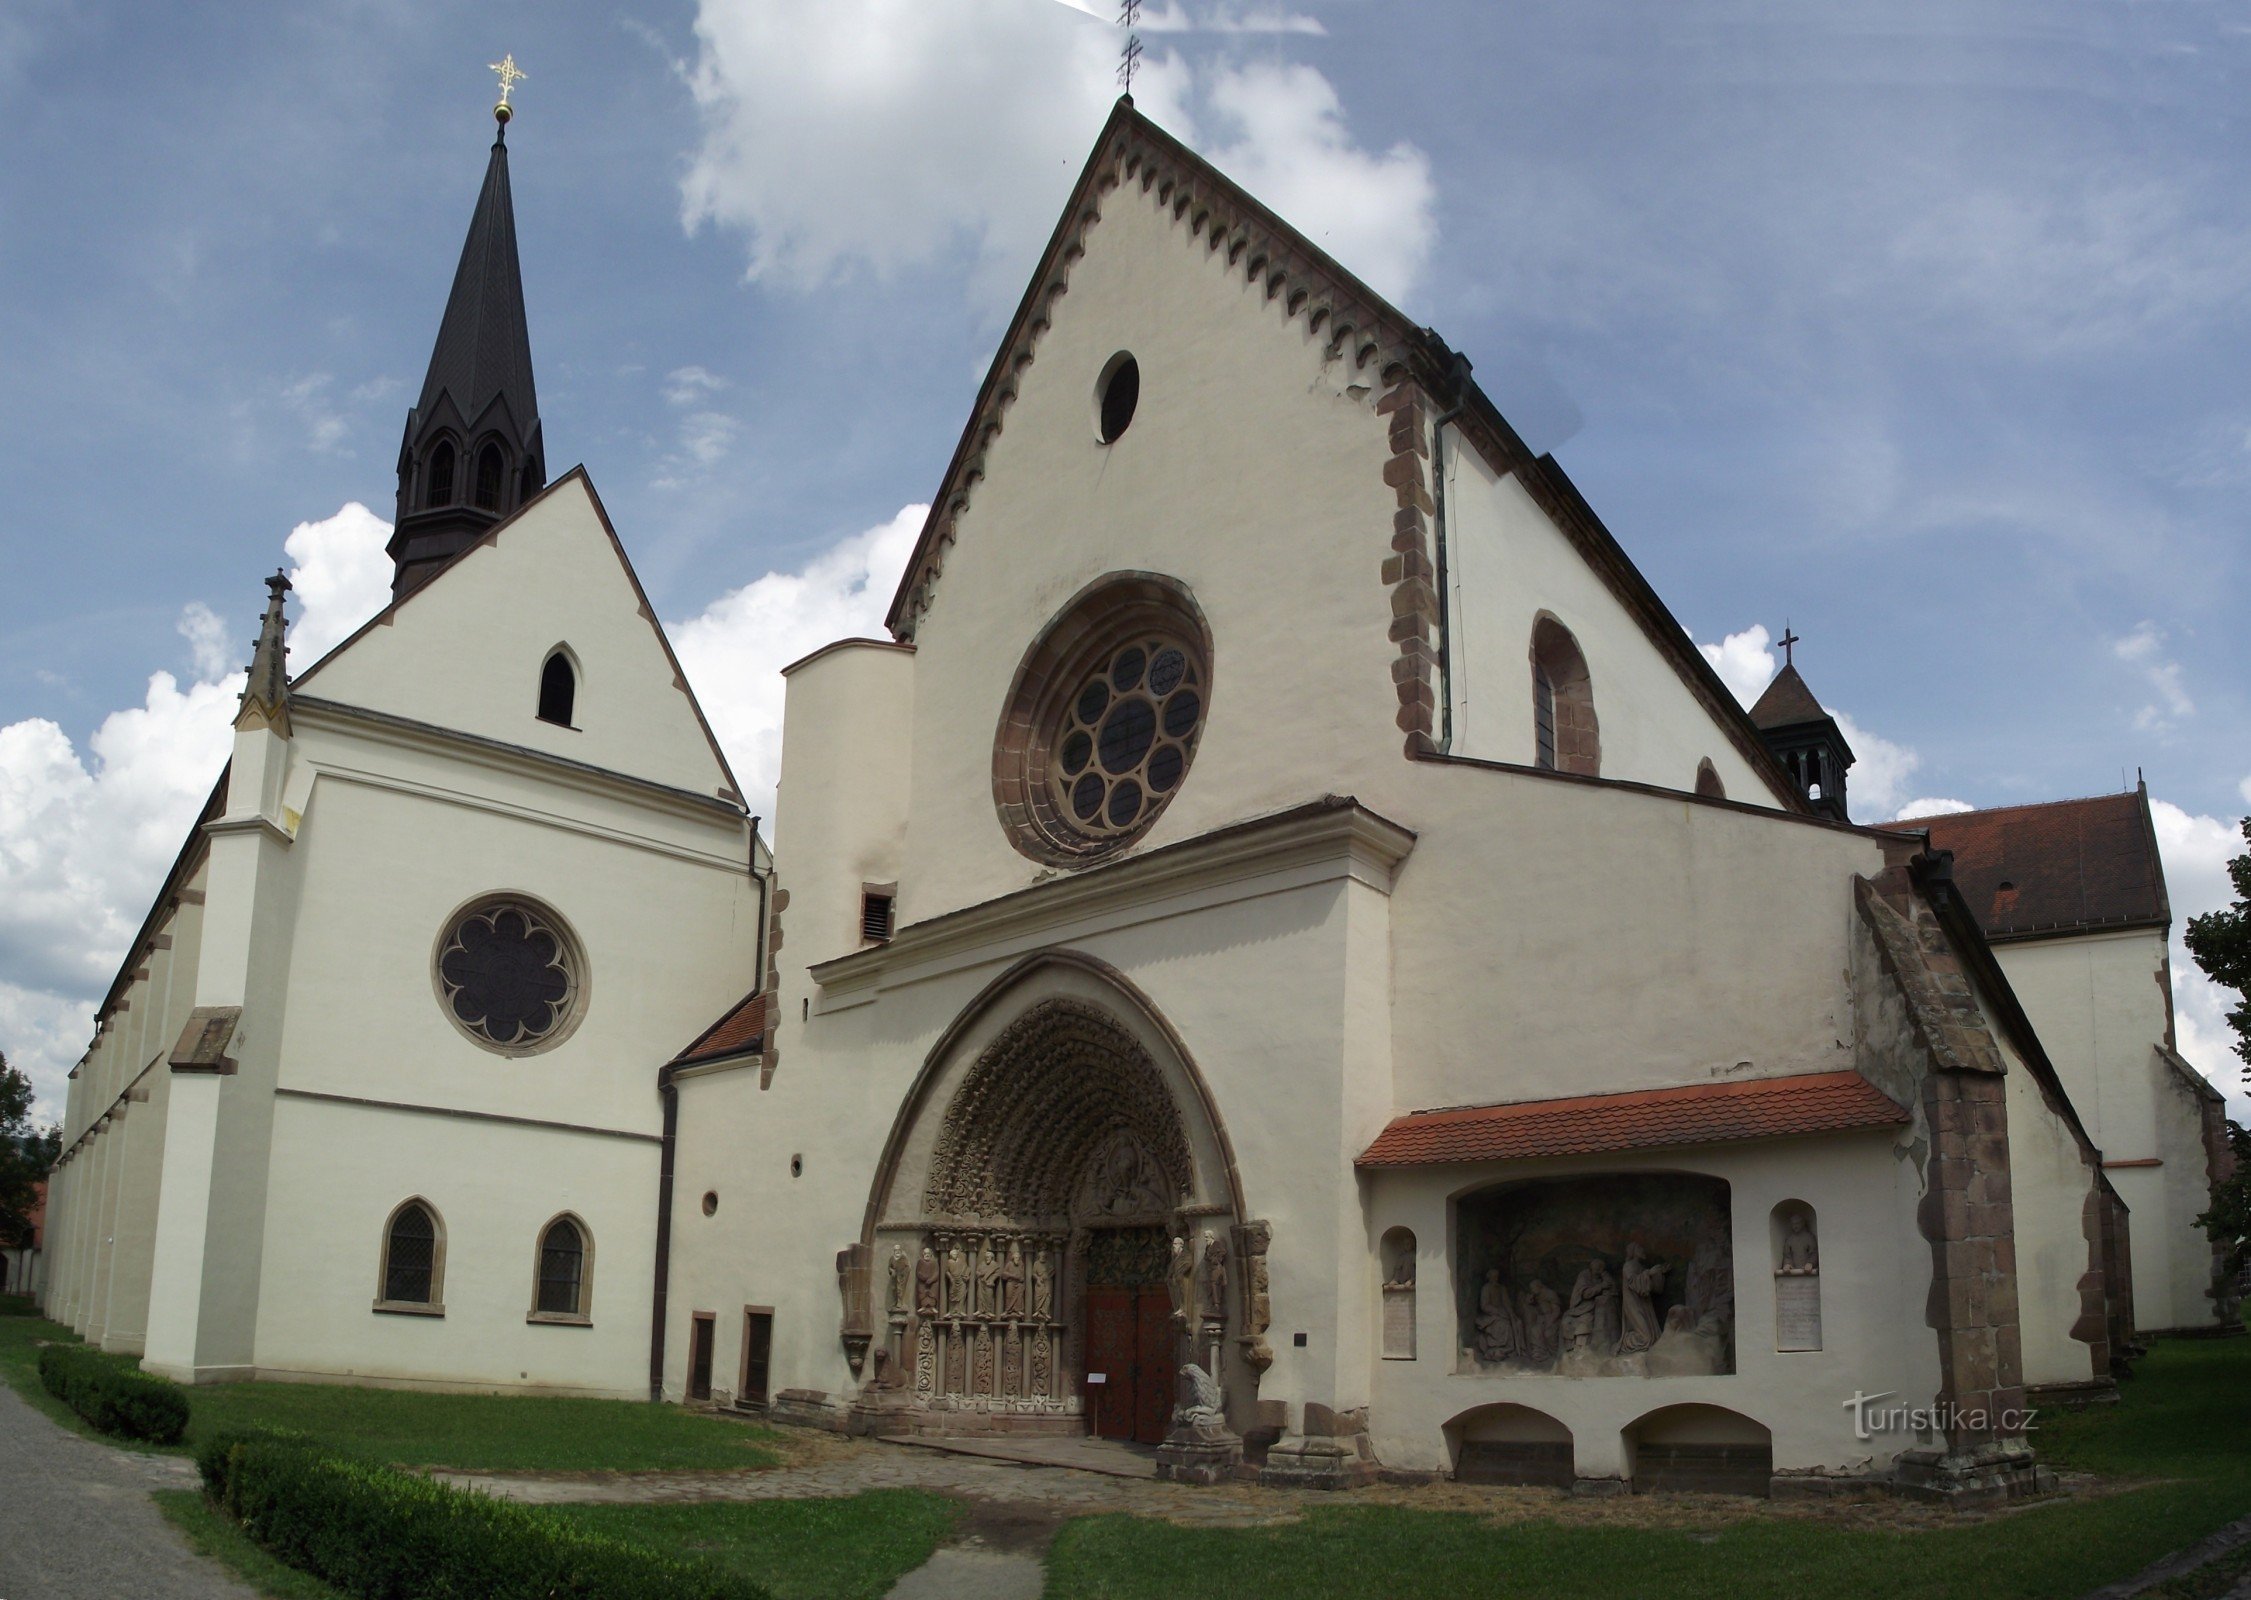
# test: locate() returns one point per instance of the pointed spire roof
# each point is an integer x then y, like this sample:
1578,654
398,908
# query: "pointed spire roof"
484,346
1787,702
265,698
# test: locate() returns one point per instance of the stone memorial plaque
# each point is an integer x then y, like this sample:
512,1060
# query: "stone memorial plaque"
1797,1312
1399,1324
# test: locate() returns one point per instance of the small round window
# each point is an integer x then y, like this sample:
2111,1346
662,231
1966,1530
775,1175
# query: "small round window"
1116,394
510,975
1103,719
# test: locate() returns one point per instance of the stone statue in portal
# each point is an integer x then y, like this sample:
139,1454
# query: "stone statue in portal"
1496,1324
1180,1279
1043,1287
1801,1257
1215,1277
899,1271
926,1283
957,1283
1201,1399
1541,1313
1640,1281
1012,1282
1590,1321
988,1281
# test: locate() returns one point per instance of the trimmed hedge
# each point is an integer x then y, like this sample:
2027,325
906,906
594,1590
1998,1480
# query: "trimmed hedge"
115,1399
382,1534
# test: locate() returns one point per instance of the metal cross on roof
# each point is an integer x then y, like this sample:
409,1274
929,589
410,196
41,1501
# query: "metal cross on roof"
1789,639
1130,57
510,76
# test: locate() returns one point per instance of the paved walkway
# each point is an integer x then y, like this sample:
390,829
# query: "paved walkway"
76,1522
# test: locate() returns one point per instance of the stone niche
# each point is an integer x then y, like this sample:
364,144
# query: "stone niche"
1624,1275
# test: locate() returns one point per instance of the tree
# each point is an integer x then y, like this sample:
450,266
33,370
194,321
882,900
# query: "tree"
2221,943
26,1153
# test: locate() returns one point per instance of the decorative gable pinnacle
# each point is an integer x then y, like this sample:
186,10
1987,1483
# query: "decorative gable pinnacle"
265,698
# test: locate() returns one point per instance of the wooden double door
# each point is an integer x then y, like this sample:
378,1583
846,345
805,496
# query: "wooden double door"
1131,1345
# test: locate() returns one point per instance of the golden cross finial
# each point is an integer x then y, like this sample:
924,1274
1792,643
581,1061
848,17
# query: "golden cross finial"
510,76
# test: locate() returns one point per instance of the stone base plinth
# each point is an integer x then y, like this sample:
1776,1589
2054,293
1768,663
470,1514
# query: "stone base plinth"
1983,1477
882,1413
1200,1453
1299,1462
807,1408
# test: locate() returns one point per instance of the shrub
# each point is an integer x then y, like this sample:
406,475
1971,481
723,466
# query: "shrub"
383,1534
115,1399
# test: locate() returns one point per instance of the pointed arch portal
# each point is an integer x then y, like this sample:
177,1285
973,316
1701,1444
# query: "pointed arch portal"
1018,1251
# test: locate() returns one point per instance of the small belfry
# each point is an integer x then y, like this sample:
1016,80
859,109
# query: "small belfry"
1803,737
472,452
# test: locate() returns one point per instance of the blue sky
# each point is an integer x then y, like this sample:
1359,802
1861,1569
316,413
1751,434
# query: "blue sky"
1924,326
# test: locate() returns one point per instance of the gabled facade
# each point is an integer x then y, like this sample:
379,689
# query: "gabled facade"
1269,754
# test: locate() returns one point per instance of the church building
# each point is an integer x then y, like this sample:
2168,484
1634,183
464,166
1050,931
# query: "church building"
1284,951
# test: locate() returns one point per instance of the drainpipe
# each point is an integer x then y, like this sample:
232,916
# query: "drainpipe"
1461,385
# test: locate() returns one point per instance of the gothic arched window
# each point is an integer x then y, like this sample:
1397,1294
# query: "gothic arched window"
413,1276
1566,737
1708,780
488,477
565,1254
438,476
558,688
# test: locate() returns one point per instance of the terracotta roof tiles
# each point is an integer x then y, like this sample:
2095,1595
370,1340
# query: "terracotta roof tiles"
1696,1113
2060,867
740,1031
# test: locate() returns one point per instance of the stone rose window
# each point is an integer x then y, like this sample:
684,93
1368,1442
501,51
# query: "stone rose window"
1103,719
511,976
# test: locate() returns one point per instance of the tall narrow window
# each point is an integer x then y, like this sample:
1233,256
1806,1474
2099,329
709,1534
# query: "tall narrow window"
562,1270
439,475
488,478
1566,737
558,689
413,1259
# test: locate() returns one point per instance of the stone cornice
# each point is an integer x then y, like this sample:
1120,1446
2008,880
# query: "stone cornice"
1332,837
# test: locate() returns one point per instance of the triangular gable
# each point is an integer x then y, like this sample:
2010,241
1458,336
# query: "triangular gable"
464,649
1301,280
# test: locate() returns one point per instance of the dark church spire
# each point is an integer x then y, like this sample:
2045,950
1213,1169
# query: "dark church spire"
472,452
1804,738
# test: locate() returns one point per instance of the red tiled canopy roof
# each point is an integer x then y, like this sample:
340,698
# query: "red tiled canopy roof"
741,1031
2058,867
1696,1113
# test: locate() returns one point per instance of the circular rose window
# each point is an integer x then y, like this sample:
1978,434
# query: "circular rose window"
1103,719
510,976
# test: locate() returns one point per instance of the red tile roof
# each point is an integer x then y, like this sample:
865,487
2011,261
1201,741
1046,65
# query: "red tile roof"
1696,1113
741,1031
2055,868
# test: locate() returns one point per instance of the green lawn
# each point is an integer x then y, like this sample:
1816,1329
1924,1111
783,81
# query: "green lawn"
2186,1419
850,1549
477,1432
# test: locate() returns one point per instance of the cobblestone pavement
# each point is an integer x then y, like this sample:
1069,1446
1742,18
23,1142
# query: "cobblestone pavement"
76,1522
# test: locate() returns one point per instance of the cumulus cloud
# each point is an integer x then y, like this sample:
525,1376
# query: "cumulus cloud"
86,835
846,135
1744,662
1930,806
684,386
2144,651
2196,850
733,652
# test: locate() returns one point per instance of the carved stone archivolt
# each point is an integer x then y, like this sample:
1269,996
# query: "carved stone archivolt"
1064,1106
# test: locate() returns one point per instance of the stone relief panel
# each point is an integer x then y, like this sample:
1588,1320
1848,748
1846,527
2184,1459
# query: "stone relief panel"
1630,1275
972,1319
1398,1259
1797,1277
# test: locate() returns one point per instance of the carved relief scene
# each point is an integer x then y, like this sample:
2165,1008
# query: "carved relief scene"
1618,1276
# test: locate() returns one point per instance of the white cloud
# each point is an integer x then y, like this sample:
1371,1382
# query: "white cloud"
848,135
87,836
1930,806
2244,789
206,634
684,386
734,651
2144,650
2196,850
1744,663
325,428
